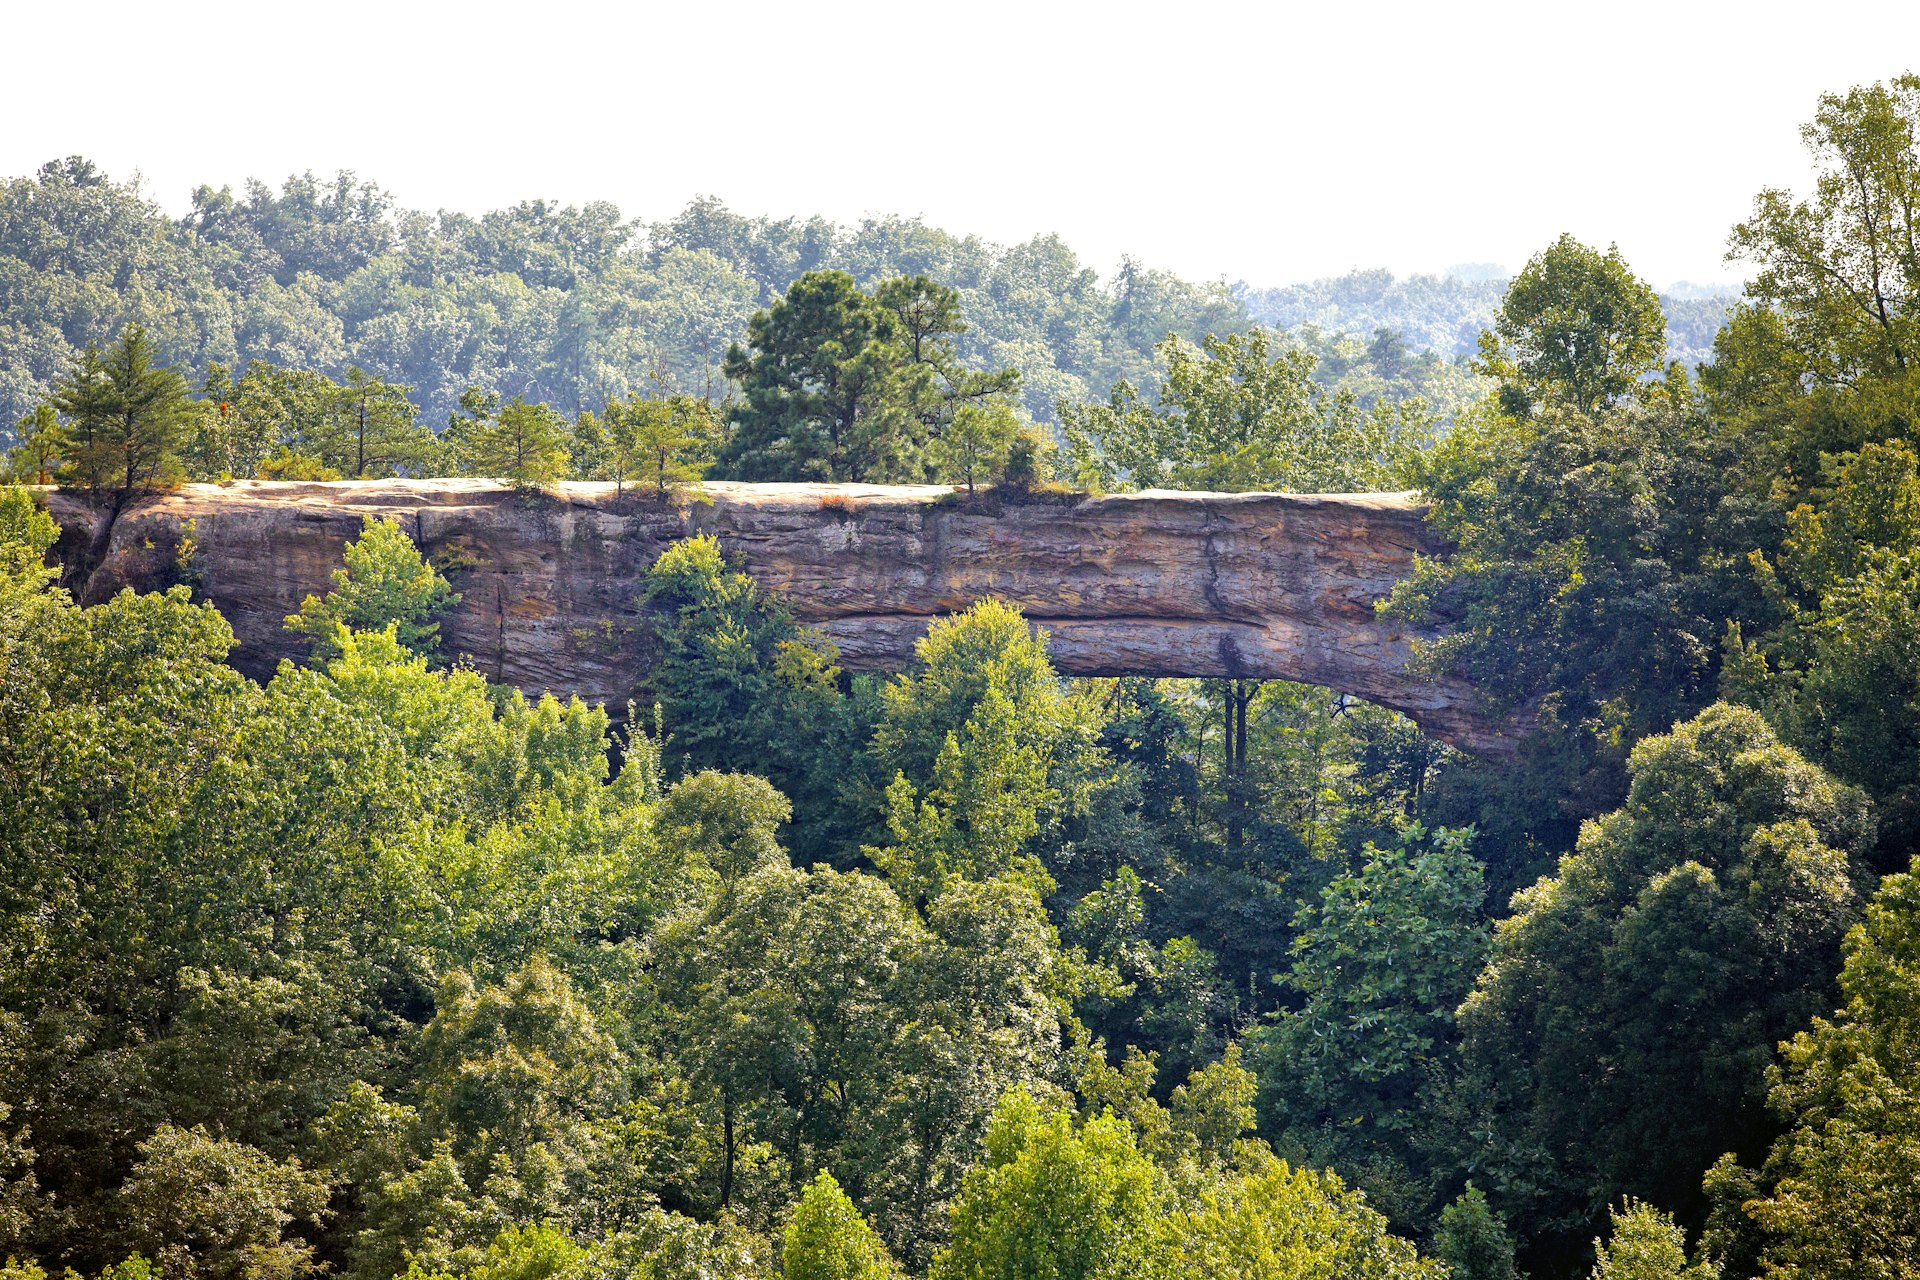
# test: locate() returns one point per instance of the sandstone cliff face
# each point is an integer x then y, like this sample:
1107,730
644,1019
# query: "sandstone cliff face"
1173,584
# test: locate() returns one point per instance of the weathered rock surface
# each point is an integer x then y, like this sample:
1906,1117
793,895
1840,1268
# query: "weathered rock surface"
1170,584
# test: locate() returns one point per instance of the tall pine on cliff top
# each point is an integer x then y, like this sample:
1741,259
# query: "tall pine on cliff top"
127,416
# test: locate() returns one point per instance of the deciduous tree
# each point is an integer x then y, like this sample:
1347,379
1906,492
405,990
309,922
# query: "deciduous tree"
207,1209
743,687
1577,328
1472,1240
1623,1020
1843,267
1645,1244
1380,962
1240,412
1052,1200
1835,1196
43,448
386,583
828,1239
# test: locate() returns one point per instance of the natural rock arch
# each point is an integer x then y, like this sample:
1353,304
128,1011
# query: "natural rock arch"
1159,583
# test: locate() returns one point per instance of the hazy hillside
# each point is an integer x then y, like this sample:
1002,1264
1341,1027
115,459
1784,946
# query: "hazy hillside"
568,305
575,305
1445,314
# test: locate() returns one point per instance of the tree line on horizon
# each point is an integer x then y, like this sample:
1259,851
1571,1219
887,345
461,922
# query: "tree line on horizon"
575,306
567,305
832,383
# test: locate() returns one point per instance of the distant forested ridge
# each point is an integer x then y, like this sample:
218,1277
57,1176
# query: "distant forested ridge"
575,306
571,306
1445,314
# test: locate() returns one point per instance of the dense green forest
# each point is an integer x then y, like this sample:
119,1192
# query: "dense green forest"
972,972
562,305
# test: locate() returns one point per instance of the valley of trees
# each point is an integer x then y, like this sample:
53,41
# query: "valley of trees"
972,973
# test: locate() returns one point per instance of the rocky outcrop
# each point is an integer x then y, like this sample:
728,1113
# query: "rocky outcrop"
1168,584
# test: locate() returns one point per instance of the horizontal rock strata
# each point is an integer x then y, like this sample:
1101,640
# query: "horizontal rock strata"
1156,584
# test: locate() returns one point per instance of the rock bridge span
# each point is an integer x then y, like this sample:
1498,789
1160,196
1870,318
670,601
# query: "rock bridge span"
1157,584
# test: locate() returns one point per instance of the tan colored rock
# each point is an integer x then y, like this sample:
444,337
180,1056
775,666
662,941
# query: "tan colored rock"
1159,583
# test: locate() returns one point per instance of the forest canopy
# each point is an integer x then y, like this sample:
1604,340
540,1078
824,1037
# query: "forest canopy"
574,306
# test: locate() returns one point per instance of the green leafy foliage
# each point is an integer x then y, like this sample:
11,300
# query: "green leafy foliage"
831,1026
1834,1197
1380,962
1646,1245
386,583
369,429
1274,1220
376,969
1438,318
978,445
987,751
1586,596
829,1240
1628,1006
42,451
1834,673
569,304
1241,412
1056,1201
742,686
20,1203
241,895
523,1253
205,1209
1472,1240
1819,359
1584,570
1576,328
1842,267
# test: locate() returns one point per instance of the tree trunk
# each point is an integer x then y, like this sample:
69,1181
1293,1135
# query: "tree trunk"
726,1151
1239,696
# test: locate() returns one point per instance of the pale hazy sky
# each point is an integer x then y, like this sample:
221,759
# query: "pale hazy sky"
1270,142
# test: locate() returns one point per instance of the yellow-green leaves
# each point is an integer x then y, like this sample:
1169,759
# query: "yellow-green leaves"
828,1239
386,583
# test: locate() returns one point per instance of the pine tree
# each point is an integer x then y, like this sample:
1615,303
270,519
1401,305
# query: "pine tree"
975,446
370,429
128,417
817,388
83,398
662,443
524,444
